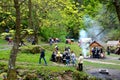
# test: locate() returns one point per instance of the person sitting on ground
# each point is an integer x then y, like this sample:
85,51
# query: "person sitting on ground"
53,57
58,56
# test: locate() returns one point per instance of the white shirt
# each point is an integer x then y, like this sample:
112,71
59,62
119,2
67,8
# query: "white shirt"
80,59
73,56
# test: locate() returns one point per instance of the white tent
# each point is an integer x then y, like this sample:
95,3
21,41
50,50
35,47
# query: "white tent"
85,40
113,43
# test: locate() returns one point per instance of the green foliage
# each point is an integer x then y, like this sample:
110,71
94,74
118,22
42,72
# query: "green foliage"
31,76
80,75
114,34
30,49
2,41
59,18
7,20
4,54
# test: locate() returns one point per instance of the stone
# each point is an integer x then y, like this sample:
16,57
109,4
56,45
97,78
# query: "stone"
103,71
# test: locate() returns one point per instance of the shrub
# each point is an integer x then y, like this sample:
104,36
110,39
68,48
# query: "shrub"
30,49
31,76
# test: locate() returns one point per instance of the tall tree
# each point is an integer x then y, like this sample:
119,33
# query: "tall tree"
30,23
11,66
117,6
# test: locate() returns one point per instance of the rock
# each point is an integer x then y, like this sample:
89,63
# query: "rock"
103,71
3,75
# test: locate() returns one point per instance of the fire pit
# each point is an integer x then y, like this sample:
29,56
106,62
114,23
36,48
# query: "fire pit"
103,71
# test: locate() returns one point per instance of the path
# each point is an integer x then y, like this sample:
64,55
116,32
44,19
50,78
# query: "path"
101,62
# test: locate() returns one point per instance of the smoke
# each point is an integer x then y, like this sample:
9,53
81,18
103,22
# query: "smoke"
93,32
93,28
84,42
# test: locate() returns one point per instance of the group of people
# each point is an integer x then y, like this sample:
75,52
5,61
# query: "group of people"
97,52
53,40
66,57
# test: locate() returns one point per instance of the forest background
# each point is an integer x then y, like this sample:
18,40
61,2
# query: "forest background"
57,18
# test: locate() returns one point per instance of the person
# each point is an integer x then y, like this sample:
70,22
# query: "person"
108,50
64,56
67,59
50,41
93,52
53,57
22,43
33,42
58,56
56,47
97,53
80,63
101,53
42,56
10,40
73,58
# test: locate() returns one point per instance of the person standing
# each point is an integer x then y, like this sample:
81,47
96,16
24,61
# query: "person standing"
108,50
67,59
42,56
73,58
80,63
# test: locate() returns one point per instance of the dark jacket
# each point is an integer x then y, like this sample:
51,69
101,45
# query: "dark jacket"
42,54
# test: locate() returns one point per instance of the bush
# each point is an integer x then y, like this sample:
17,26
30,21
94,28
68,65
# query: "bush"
31,76
30,49
79,75
82,76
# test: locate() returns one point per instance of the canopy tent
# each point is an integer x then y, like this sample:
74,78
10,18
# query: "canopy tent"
113,43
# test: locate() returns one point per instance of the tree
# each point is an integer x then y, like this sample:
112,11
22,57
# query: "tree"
11,66
117,6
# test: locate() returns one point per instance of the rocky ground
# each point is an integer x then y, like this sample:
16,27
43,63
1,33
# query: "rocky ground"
112,73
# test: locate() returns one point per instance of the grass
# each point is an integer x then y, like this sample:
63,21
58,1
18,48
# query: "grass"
111,61
3,41
34,58
98,65
74,47
113,55
30,61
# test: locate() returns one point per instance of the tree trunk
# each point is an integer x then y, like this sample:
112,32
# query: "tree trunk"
30,23
36,36
11,66
117,6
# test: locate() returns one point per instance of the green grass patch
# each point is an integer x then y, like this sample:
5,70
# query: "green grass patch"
74,47
111,61
4,54
113,55
2,41
99,65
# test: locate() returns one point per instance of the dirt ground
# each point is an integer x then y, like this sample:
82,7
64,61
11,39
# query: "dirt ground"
113,74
